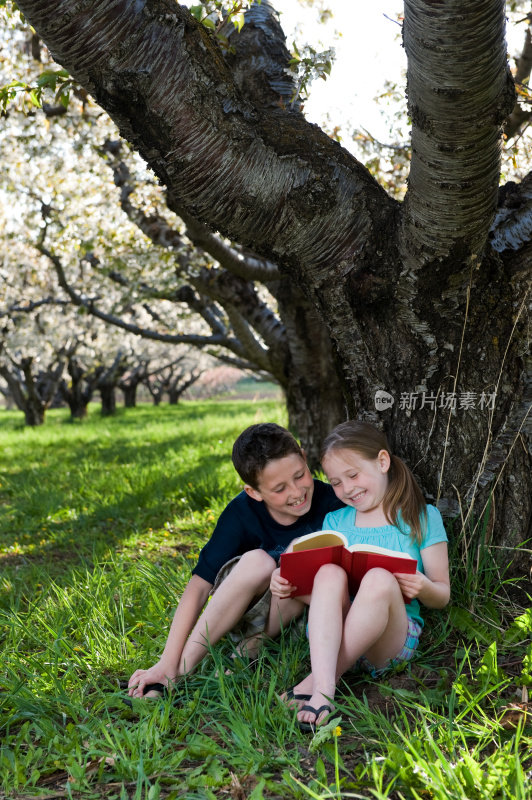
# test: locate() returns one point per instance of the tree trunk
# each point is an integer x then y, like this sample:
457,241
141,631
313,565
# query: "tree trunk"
34,413
78,407
309,378
108,395
76,395
130,395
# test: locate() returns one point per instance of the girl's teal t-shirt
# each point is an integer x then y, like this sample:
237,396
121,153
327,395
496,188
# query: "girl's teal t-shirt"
389,536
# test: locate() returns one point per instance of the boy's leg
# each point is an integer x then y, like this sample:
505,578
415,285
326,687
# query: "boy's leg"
249,579
281,613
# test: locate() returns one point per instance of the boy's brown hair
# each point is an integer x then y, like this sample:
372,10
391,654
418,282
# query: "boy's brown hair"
258,445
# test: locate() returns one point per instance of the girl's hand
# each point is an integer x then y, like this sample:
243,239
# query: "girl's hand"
280,587
411,585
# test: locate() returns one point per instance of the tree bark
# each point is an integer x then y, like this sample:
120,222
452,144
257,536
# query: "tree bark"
34,414
416,300
108,395
76,395
130,395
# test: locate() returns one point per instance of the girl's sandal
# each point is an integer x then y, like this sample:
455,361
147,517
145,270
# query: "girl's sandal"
291,695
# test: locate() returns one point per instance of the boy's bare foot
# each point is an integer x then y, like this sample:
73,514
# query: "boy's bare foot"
250,647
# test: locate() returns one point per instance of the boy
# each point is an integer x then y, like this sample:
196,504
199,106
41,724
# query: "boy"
280,502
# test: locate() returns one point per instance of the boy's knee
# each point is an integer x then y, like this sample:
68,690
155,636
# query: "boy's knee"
256,565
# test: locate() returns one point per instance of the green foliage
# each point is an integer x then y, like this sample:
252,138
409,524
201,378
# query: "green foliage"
212,13
309,64
54,80
100,524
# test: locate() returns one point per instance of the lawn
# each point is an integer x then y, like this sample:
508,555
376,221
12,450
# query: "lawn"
100,524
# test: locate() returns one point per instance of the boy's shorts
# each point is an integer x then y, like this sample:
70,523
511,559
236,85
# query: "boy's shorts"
255,617
407,652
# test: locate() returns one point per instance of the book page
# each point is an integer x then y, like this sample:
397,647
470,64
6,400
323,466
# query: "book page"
374,548
319,539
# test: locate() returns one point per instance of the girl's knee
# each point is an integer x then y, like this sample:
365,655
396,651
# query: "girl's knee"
331,575
379,582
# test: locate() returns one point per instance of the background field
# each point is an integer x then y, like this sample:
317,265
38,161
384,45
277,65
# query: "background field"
100,523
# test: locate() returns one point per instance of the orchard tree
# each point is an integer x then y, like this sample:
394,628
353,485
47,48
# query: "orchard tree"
425,299
48,349
139,266
32,382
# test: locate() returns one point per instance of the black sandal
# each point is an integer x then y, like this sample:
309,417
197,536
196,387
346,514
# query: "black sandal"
311,726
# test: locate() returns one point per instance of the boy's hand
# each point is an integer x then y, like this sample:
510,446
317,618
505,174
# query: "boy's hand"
280,587
156,674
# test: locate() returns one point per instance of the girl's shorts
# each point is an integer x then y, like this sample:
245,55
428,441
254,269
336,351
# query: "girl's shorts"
409,648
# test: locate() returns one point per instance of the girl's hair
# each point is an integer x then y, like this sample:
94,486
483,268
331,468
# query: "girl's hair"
403,493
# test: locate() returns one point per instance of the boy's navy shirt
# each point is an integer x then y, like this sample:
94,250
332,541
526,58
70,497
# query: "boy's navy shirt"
246,524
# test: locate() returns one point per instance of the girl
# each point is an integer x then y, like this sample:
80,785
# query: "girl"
385,507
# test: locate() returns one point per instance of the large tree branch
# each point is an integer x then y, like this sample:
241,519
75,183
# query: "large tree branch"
231,291
270,181
161,233
512,226
459,93
260,60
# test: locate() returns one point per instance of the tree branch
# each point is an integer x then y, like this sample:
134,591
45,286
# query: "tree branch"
160,232
260,61
272,182
253,349
146,333
459,92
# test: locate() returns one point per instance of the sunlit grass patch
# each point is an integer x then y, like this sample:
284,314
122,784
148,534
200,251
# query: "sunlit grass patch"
100,525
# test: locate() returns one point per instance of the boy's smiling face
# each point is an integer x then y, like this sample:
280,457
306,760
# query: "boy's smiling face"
286,486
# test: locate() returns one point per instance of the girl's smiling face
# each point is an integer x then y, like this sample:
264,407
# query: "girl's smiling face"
357,481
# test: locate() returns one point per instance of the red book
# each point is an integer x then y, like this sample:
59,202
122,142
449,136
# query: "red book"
312,551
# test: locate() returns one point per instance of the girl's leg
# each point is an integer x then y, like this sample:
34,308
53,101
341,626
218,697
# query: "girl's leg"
329,605
376,625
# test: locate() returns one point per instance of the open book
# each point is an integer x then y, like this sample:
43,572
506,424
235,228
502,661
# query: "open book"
312,551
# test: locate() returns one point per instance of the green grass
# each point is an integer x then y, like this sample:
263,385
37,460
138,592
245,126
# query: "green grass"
100,523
